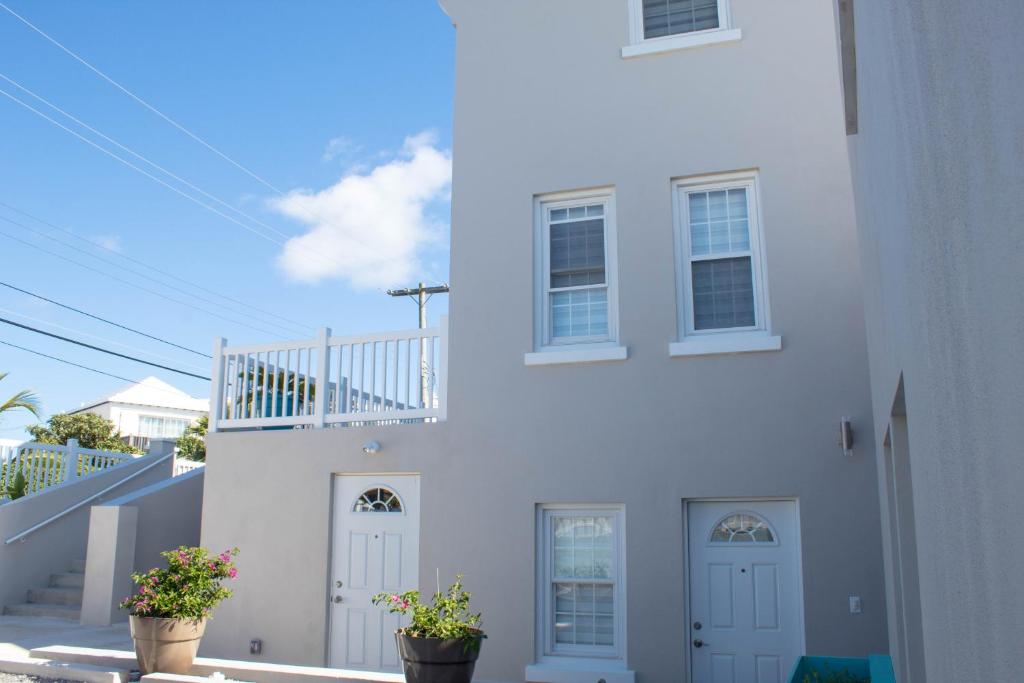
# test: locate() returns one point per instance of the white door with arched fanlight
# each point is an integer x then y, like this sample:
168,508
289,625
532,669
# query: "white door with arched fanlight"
375,549
745,595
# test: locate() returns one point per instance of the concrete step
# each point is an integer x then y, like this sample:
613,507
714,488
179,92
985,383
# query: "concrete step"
78,566
57,670
71,597
29,609
67,580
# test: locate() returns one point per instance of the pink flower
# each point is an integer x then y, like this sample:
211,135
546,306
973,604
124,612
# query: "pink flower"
225,557
405,604
394,598
212,566
154,580
232,572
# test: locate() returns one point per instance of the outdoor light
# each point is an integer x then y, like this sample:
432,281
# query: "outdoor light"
371,447
846,436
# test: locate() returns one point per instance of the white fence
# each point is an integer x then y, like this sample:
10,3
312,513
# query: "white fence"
183,466
377,378
45,465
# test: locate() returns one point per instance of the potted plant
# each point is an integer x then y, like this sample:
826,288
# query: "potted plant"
168,613
442,642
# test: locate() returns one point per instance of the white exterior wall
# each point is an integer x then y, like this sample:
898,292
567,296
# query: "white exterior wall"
938,170
648,432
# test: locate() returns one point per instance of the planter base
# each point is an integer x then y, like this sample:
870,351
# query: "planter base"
434,660
166,645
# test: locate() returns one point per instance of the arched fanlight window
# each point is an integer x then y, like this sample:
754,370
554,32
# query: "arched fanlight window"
742,527
378,499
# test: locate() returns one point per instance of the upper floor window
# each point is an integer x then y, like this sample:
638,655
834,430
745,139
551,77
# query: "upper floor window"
721,260
660,25
576,269
669,17
156,427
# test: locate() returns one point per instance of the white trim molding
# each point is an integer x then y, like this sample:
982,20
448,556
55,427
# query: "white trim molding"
639,45
725,343
579,353
695,340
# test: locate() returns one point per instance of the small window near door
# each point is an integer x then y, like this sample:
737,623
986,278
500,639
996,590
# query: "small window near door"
378,499
742,527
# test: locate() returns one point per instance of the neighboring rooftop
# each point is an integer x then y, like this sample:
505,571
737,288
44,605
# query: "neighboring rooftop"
154,392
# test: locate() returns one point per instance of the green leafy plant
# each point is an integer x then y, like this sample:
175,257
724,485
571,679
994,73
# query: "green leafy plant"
829,676
448,617
192,444
91,431
189,588
17,486
23,400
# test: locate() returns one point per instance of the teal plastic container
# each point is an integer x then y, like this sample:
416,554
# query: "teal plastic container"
875,668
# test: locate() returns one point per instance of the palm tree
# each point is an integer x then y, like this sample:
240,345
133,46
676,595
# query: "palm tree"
24,400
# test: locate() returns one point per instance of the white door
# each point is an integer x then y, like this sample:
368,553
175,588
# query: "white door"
376,549
745,602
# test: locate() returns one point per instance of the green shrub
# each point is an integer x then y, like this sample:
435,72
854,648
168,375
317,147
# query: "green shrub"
189,588
448,617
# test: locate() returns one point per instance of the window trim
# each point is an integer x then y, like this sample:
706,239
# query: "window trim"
542,270
639,45
600,657
705,340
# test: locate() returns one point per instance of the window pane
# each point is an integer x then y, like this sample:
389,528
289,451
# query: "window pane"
669,17
718,222
579,313
584,614
723,294
577,252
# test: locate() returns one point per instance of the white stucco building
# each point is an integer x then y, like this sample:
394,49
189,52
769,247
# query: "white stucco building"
151,409
631,453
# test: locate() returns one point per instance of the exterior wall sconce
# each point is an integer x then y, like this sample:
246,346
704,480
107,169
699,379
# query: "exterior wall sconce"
846,436
371,447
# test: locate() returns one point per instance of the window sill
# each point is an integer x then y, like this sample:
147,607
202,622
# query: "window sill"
576,354
682,42
725,343
585,671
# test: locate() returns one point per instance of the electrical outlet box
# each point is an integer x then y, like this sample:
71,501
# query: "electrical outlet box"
855,604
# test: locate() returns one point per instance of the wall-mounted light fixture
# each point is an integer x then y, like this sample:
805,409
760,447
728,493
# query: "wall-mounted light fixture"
371,447
846,436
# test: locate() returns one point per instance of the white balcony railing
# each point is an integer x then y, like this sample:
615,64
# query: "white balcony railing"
44,466
382,378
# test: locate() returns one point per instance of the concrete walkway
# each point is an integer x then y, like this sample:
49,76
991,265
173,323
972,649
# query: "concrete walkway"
18,635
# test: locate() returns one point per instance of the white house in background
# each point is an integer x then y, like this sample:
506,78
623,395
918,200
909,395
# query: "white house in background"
151,409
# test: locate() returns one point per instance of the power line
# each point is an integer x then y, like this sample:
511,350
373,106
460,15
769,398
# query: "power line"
95,336
300,325
129,282
101,349
177,190
67,362
104,320
146,276
142,101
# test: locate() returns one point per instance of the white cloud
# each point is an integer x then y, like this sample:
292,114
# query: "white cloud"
340,146
111,242
369,227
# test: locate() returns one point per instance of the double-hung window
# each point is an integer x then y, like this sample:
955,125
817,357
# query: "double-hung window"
660,25
576,281
721,262
581,600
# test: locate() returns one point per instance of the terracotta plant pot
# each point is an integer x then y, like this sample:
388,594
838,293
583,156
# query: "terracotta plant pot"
436,660
166,645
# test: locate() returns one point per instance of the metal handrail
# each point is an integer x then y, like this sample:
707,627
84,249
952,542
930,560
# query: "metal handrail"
46,522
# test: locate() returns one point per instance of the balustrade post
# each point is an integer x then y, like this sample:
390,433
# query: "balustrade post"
216,387
71,460
323,374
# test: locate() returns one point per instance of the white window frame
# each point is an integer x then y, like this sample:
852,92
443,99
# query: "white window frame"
640,46
756,337
584,348
600,657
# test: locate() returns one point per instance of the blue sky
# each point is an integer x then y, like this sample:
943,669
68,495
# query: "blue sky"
343,106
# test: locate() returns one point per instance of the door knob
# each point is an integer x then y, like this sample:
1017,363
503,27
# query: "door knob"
698,642
338,598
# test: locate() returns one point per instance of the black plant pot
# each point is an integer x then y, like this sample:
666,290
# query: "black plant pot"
436,660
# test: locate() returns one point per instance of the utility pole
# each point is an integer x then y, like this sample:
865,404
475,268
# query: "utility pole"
421,295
